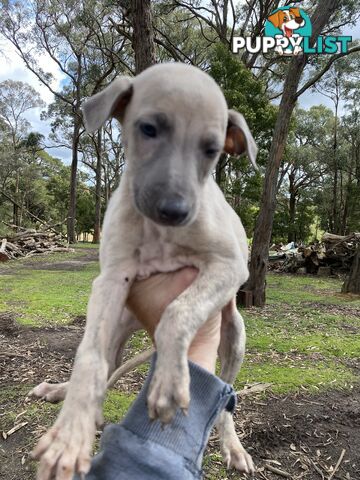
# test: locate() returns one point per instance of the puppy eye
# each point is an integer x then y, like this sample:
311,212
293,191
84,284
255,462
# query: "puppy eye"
148,130
211,152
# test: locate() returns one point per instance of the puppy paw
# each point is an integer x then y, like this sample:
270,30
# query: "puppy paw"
50,392
169,390
235,456
65,449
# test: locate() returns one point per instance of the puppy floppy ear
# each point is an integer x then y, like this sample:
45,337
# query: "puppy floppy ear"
239,138
110,102
276,19
295,11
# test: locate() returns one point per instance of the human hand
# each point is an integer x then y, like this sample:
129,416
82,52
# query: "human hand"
148,299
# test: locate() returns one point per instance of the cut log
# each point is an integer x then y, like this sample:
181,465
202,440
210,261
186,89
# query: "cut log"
31,242
333,256
3,255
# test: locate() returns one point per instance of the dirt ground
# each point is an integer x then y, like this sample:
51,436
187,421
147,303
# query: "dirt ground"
301,435
295,436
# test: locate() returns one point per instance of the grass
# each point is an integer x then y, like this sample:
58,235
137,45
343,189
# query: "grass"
304,338
44,296
294,290
289,376
14,406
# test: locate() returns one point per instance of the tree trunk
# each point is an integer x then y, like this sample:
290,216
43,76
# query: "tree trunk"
292,213
15,205
292,207
335,218
71,220
143,35
264,223
97,225
352,282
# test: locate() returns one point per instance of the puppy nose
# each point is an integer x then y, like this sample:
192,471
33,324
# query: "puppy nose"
173,210
299,20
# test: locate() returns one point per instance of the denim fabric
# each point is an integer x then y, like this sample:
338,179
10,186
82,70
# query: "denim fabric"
141,449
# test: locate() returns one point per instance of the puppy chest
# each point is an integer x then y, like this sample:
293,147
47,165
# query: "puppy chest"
159,257
159,254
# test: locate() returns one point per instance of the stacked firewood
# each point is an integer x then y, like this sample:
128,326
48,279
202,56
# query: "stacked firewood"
333,255
31,242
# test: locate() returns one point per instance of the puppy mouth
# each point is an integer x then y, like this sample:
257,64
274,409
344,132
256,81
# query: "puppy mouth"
171,223
289,29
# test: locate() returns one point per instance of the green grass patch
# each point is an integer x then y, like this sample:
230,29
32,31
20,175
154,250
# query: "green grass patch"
305,317
43,297
290,376
43,413
116,405
82,245
294,289
16,410
334,335
308,330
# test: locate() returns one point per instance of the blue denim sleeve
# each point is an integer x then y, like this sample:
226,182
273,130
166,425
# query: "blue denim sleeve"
141,449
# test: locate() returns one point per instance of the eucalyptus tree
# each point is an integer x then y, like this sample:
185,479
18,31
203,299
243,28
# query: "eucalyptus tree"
16,98
66,32
320,19
293,78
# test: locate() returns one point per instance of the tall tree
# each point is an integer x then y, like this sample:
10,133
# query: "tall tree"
66,32
262,234
16,98
143,34
306,160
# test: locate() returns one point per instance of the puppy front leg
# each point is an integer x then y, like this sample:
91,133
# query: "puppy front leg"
214,286
66,447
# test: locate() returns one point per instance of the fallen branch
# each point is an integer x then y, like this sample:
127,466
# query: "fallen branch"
341,458
252,389
14,429
278,471
11,354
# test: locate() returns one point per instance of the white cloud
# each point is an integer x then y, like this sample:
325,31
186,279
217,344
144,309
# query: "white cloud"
13,67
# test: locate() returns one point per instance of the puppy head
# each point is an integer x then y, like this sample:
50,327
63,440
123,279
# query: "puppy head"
292,18
175,125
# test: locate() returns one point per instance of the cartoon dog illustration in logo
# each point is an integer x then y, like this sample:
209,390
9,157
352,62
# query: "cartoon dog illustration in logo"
288,21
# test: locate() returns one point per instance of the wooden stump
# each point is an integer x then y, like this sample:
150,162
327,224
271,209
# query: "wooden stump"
244,298
352,282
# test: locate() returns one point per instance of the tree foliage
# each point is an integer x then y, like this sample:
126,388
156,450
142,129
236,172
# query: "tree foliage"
309,177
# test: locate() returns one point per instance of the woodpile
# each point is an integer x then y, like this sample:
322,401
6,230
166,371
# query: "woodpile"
31,242
333,255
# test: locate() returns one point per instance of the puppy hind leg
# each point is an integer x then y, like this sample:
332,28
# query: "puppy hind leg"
50,392
231,353
232,342
56,392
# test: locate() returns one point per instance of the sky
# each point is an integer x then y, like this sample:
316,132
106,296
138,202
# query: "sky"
12,67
